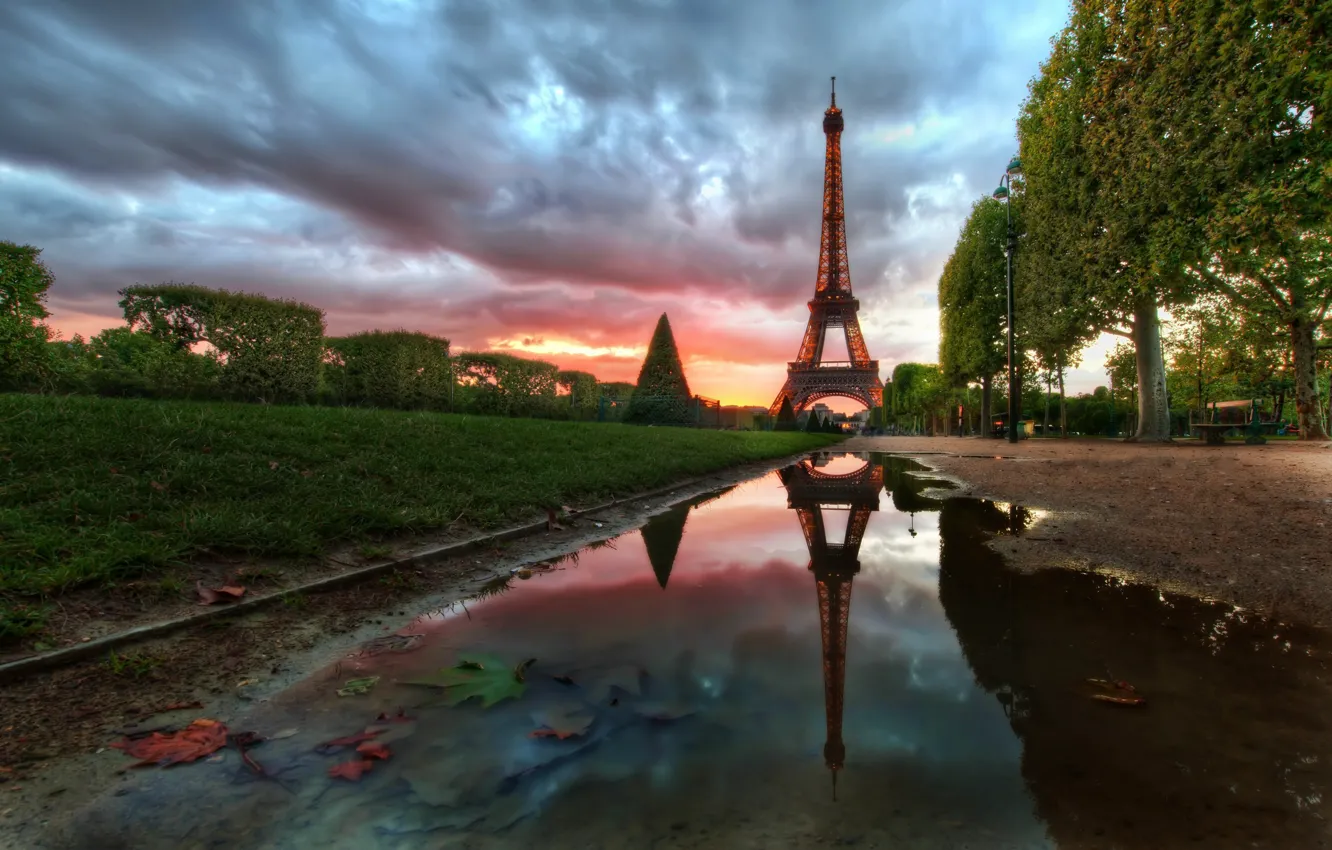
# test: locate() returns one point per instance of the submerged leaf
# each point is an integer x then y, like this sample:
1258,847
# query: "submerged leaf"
358,687
486,677
347,741
351,770
563,721
663,712
600,682
202,737
374,749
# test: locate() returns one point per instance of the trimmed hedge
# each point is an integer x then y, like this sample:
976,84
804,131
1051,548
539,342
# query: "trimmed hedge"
581,387
505,385
395,369
269,349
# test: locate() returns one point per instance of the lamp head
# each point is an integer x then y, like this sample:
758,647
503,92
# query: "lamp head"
1001,193
1015,166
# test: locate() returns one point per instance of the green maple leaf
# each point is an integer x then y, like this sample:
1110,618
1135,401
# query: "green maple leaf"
486,676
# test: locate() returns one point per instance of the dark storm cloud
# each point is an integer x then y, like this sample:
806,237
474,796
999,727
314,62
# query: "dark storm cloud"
405,118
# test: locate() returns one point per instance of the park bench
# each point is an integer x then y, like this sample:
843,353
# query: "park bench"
1214,432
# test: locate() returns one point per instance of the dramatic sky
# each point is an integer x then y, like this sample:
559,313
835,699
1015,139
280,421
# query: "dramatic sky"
541,176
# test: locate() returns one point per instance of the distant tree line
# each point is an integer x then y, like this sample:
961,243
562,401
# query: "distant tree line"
189,342
1174,157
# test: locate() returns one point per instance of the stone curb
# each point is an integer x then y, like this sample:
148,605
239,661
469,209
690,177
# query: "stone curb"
57,658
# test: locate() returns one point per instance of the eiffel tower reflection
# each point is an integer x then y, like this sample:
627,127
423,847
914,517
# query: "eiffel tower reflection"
810,491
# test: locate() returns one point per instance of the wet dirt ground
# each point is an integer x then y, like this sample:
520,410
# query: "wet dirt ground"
1251,525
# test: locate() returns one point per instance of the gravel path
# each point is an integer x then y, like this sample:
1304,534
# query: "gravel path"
1250,525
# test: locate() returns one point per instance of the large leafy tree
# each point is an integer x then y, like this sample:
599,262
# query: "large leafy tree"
661,395
1174,149
972,302
920,394
24,281
1091,228
1216,129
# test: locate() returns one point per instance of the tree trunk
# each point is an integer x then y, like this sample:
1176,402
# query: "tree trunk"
987,413
1153,412
1045,426
1063,408
1307,409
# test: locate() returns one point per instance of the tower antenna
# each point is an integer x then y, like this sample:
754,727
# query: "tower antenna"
834,91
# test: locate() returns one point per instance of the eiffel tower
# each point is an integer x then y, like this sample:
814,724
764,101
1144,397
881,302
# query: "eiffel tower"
809,491
809,377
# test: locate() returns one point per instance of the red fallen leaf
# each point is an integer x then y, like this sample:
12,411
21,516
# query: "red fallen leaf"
351,770
133,517
207,450
114,471
202,737
305,473
374,749
157,486
213,595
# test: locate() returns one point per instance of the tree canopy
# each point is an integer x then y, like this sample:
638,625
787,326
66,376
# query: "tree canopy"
1169,151
24,281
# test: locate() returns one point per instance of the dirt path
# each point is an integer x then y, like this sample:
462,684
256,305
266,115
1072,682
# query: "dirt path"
1250,525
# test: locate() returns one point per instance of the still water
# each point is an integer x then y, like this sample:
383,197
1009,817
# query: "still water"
823,656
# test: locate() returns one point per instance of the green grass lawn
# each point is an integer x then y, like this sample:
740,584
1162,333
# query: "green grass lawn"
101,490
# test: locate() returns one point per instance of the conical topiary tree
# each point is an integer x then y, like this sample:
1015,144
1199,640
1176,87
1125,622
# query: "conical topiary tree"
662,535
662,395
814,424
786,418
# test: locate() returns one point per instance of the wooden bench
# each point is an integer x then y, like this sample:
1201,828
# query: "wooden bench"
1215,435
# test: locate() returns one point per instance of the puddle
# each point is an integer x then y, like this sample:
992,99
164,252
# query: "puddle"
823,655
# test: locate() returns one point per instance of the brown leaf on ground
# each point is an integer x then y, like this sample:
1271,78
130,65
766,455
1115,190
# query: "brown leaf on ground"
552,522
272,464
201,738
213,595
374,750
159,487
1116,692
351,770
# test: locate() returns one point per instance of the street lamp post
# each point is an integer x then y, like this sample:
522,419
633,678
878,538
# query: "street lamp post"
1004,194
